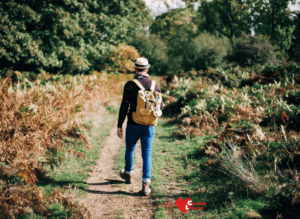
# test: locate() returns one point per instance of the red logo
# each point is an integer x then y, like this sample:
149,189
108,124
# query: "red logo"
184,206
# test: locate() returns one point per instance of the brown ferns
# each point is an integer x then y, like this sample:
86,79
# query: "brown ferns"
34,120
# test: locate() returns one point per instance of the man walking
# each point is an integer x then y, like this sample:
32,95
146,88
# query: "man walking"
135,131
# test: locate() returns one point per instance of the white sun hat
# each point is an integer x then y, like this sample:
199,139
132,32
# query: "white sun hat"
142,63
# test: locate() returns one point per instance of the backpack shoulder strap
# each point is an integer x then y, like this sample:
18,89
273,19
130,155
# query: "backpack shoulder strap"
152,88
138,84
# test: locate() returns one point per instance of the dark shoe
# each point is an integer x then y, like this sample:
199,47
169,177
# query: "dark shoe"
146,189
125,176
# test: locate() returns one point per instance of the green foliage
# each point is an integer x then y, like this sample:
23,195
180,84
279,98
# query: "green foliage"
188,48
284,37
205,51
269,15
176,28
54,158
228,18
269,18
153,48
274,19
66,36
252,50
169,23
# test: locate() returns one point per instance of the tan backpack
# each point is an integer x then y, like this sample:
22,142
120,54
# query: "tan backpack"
148,105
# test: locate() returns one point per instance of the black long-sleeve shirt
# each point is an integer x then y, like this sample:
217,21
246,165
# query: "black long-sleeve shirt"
130,99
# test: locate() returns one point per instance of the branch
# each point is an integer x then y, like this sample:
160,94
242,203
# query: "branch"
222,32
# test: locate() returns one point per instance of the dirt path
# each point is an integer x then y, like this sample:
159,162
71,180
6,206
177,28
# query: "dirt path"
108,195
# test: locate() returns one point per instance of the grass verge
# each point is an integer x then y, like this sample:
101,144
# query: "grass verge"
178,172
71,174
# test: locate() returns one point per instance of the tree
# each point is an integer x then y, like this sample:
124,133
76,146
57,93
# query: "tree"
168,23
66,36
294,52
176,28
229,18
269,14
153,48
274,19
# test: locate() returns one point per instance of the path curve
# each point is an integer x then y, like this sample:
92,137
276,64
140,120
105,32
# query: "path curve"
108,195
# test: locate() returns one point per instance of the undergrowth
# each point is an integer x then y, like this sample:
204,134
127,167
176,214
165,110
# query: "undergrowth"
250,167
43,136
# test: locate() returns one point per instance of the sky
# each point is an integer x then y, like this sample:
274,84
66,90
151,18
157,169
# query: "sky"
158,7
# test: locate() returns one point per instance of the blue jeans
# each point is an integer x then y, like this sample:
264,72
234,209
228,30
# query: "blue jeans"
133,134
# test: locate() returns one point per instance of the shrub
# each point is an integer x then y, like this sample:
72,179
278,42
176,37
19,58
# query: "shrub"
274,73
121,58
206,51
251,50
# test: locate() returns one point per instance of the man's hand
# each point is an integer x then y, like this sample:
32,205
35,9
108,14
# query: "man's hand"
120,132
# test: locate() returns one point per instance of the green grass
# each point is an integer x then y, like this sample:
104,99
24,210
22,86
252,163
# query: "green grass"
120,158
179,174
119,211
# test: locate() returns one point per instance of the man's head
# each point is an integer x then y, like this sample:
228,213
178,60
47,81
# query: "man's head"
138,70
141,65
